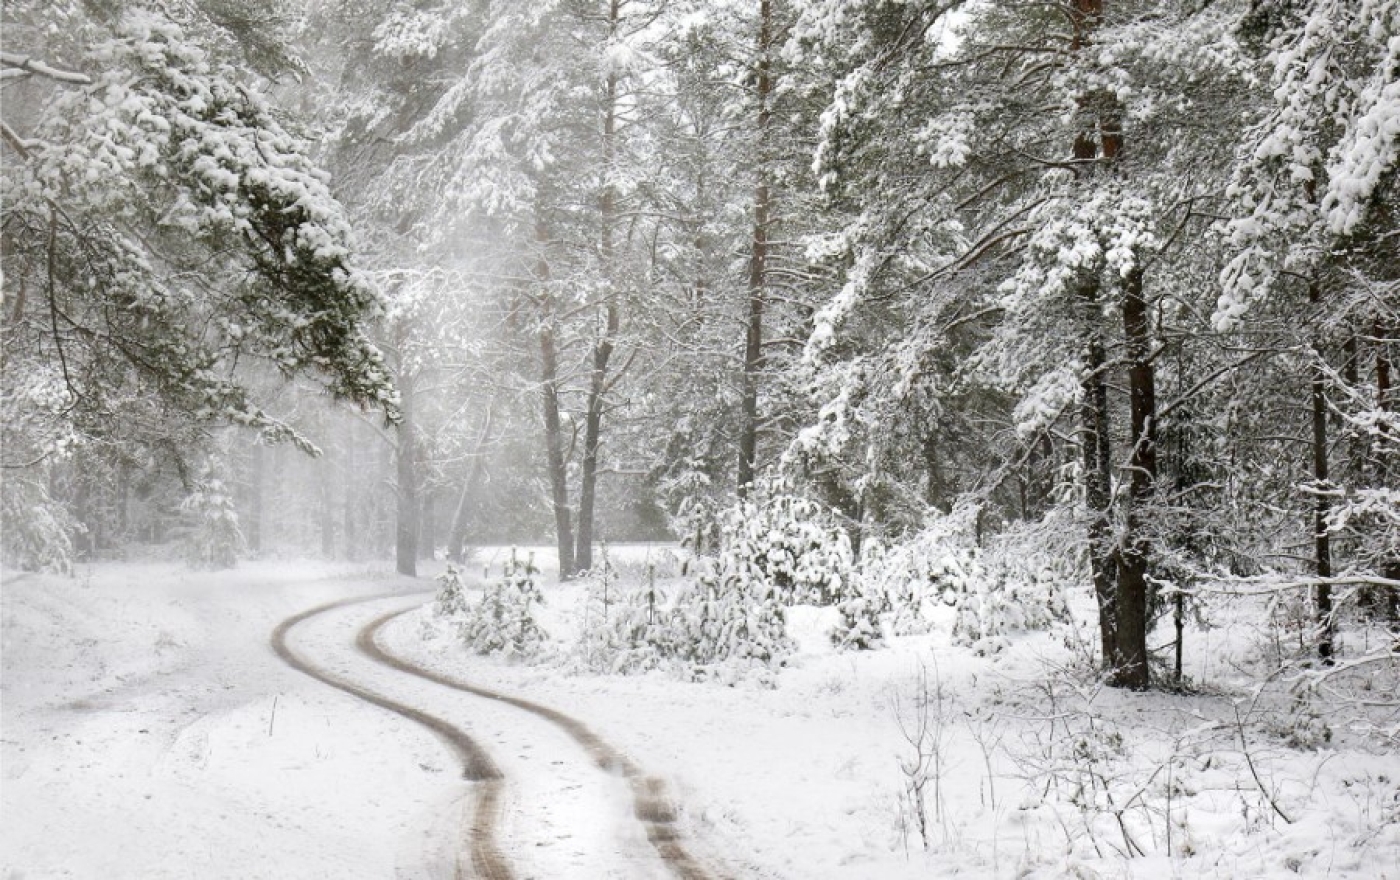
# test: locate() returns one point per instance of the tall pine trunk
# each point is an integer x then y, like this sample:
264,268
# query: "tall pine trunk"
1385,402
1322,504
1094,425
549,397
604,344
1097,451
350,514
1131,606
758,262
252,523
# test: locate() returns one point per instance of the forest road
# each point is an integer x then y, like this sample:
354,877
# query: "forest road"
486,859
569,797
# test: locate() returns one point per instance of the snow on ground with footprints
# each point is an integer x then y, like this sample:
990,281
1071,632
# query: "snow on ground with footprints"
150,730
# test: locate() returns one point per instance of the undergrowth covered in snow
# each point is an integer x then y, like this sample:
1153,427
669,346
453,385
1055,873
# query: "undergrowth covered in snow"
972,734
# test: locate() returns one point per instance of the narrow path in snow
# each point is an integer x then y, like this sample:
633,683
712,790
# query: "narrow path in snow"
536,798
477,766
650,803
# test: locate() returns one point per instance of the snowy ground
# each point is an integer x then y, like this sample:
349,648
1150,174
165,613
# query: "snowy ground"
149,731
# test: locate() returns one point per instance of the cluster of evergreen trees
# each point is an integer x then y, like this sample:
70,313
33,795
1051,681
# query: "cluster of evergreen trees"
1130,265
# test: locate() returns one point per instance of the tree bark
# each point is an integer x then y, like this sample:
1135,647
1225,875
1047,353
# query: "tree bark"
604,344
553,428
427,524
1386,404
252,527
349,518
758,262
1096,450
1131,607
327,511
1322,504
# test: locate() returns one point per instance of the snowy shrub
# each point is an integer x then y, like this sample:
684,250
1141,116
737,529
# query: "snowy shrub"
918,574
213,539
451,599
786,547
866,606
729,615
623,631
502,623
1017,583
36,531
859,627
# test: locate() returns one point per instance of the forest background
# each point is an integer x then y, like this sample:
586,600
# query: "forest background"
1088,295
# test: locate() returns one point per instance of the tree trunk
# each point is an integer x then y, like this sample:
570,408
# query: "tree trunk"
1096,445
758,262
592,430
603,346
406,543
1131,606
553,428
1386,404
1322,505
457,539
1096,449
327,500
427,525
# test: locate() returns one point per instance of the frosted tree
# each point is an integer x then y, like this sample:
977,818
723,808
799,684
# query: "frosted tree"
1058,160
1315,195
162,231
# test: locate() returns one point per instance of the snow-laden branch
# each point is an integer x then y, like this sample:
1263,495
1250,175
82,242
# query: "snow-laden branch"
1264,586
20,65
22,145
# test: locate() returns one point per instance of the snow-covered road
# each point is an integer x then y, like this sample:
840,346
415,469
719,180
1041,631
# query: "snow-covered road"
150,732
550,799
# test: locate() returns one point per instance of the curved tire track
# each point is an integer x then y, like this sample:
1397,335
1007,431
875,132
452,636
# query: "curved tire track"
477,767
650,803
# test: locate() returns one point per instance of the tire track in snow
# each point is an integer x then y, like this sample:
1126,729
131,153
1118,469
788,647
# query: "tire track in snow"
651,805
477,767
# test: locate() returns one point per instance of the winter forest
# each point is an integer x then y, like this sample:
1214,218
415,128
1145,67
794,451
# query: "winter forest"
932,437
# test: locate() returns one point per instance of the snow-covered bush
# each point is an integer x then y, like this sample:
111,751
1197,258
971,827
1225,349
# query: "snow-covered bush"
729,615
905,577
502,622
213,539
1017,583
623,631
866,608
451,599
786,547
36,532
859,627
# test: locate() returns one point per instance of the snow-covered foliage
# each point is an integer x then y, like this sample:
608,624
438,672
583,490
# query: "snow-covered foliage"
503,621
625,629
1320,167
785,547
212,537
728,619
450,601
35,531
1020,582
168,226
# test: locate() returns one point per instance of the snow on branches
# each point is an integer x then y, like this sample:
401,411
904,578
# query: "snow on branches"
166,226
